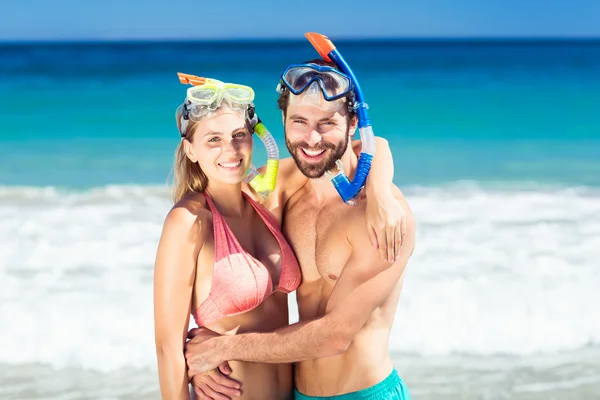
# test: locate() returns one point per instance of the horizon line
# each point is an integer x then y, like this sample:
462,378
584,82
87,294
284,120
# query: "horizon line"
167,40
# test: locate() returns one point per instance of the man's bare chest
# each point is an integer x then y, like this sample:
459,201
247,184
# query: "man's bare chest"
318,236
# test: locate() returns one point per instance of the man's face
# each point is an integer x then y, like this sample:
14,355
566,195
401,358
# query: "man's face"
316,135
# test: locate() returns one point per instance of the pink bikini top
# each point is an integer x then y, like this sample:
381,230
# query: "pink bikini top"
240,282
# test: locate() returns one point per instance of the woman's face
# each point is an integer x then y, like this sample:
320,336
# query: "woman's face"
222,146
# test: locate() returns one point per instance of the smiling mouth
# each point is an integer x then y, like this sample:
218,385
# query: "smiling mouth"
313,153
231,165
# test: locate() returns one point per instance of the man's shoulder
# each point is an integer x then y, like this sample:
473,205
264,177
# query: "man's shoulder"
289,178
289,181
356,220
287,166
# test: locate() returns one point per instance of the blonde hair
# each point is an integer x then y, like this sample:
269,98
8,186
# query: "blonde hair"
188,177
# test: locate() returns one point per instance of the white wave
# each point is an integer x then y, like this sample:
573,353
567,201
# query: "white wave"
512,272
495,271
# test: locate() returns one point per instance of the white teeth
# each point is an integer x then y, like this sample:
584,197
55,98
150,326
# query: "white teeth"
313,153
230,165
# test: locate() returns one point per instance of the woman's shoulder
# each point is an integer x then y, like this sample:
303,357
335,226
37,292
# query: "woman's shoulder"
189,214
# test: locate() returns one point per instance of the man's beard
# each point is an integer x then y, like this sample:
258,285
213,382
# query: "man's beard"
317,170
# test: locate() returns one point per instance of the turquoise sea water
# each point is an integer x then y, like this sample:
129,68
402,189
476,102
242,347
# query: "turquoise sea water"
99,113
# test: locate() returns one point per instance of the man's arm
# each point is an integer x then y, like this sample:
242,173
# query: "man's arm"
366,282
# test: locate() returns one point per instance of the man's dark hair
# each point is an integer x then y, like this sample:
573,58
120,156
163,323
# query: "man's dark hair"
329,83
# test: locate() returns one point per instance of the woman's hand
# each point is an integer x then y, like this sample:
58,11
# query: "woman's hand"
386,224
216,384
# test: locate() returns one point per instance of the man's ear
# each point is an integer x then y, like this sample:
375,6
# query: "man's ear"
353,125
189,151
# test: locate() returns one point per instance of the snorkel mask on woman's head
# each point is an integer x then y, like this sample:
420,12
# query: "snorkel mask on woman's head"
206,96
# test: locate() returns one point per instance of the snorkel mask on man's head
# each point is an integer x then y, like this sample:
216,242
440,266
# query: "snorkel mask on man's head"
310,82
317,83
206,96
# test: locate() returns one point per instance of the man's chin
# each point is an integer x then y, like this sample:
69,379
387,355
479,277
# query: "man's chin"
312,171
312,174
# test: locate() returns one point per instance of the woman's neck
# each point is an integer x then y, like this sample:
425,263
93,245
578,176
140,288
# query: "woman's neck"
228,199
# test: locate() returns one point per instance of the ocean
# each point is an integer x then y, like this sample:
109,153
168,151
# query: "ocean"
496,146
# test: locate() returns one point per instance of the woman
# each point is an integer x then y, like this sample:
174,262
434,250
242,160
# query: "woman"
222,257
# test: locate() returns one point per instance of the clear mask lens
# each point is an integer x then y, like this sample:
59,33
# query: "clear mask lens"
313,96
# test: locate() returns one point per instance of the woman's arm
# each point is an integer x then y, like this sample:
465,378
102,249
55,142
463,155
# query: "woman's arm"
382,168
386,219
174,275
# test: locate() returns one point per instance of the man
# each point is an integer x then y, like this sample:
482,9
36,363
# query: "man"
349,295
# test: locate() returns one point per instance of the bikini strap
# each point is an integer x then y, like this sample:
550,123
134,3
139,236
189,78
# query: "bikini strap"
225,241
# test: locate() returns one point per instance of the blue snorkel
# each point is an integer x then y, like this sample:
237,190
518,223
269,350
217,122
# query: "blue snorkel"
346,188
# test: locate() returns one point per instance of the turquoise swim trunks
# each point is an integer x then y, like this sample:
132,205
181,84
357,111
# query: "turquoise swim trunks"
391,388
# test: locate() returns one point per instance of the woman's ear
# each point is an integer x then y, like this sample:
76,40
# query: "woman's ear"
189,151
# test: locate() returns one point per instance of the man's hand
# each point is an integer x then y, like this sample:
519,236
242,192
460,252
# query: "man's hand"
216,385
202,351
386,224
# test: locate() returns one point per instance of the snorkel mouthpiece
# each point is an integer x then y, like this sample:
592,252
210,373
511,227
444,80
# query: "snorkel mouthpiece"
346,188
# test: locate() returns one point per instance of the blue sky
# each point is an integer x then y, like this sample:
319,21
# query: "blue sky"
228,19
